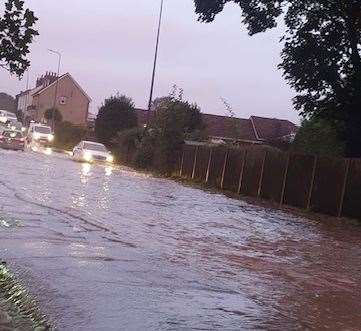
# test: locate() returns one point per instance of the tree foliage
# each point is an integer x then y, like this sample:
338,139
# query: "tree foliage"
174,120
321,58
16,34
49,113
116,114
318,136
7,102
68,135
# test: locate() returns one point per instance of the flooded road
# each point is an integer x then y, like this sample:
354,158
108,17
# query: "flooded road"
111,249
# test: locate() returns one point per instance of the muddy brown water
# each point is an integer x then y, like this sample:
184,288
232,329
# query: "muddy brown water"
112,249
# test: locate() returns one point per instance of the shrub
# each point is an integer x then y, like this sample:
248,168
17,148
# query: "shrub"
116,114
319,136
68,135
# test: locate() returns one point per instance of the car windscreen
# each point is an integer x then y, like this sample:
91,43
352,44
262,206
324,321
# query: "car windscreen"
42,129
95,147
11,134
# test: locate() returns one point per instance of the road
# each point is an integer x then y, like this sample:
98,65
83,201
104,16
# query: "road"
112,249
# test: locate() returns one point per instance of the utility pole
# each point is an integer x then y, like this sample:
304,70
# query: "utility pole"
155,57
56,87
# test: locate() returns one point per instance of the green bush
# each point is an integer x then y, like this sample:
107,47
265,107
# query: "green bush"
68,135
174,120
319,136
116,114
125,144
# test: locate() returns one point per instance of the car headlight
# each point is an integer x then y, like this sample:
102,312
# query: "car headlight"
110,158
87,156
36,136
50,137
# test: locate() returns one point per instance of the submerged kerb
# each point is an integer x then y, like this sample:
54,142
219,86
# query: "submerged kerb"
18,303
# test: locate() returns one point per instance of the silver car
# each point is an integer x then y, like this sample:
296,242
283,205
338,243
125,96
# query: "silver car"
89,151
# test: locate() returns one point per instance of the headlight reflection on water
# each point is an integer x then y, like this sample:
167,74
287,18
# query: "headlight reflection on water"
108,171
85,169
48,151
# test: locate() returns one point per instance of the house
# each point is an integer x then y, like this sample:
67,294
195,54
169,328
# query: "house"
254,130
63,91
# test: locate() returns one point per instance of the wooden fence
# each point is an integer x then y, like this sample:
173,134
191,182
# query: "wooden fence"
325,185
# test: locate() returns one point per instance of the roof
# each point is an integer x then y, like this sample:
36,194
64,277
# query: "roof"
272,128
254,129
228,127
60,78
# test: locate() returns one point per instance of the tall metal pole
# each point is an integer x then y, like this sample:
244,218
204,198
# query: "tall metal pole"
25,109
56,87
155,56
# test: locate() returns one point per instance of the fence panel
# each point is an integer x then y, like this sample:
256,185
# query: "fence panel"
352,200
328,185
188,160
216,166
233,169
298,180
202,164
252,172
274,171
177,163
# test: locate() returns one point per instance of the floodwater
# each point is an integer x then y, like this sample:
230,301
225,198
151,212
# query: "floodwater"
112,249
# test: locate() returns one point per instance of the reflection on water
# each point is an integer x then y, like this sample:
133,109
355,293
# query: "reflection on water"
138,253
85,170
48,151
108,170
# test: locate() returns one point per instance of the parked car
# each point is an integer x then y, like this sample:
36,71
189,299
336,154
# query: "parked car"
10,139
39,135
89,151
6,116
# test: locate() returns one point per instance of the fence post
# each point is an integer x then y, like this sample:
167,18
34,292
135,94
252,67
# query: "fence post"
261,176
242,171
342,198
224,168
195,163
312,183
285,179
182,161
209,164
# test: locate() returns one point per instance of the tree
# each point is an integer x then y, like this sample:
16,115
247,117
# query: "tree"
49,113
318,136
116,114
68,135
173,121
7,102
16,34
321,58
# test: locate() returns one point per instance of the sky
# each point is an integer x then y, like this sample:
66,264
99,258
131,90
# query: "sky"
108,47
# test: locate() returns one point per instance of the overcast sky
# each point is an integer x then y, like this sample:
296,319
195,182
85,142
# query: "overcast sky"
108,47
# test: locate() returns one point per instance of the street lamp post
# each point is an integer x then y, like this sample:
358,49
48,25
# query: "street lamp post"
155,56
56,87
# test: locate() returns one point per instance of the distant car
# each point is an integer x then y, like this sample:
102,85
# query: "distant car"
6,116
16,126
39,134
10,139
89,151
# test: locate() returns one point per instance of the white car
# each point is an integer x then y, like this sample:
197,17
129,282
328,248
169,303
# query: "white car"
39,134
89,151
6,116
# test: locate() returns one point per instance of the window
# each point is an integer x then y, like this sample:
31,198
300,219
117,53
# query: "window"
62,100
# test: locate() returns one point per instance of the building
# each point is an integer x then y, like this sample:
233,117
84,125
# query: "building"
70,99
254,130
